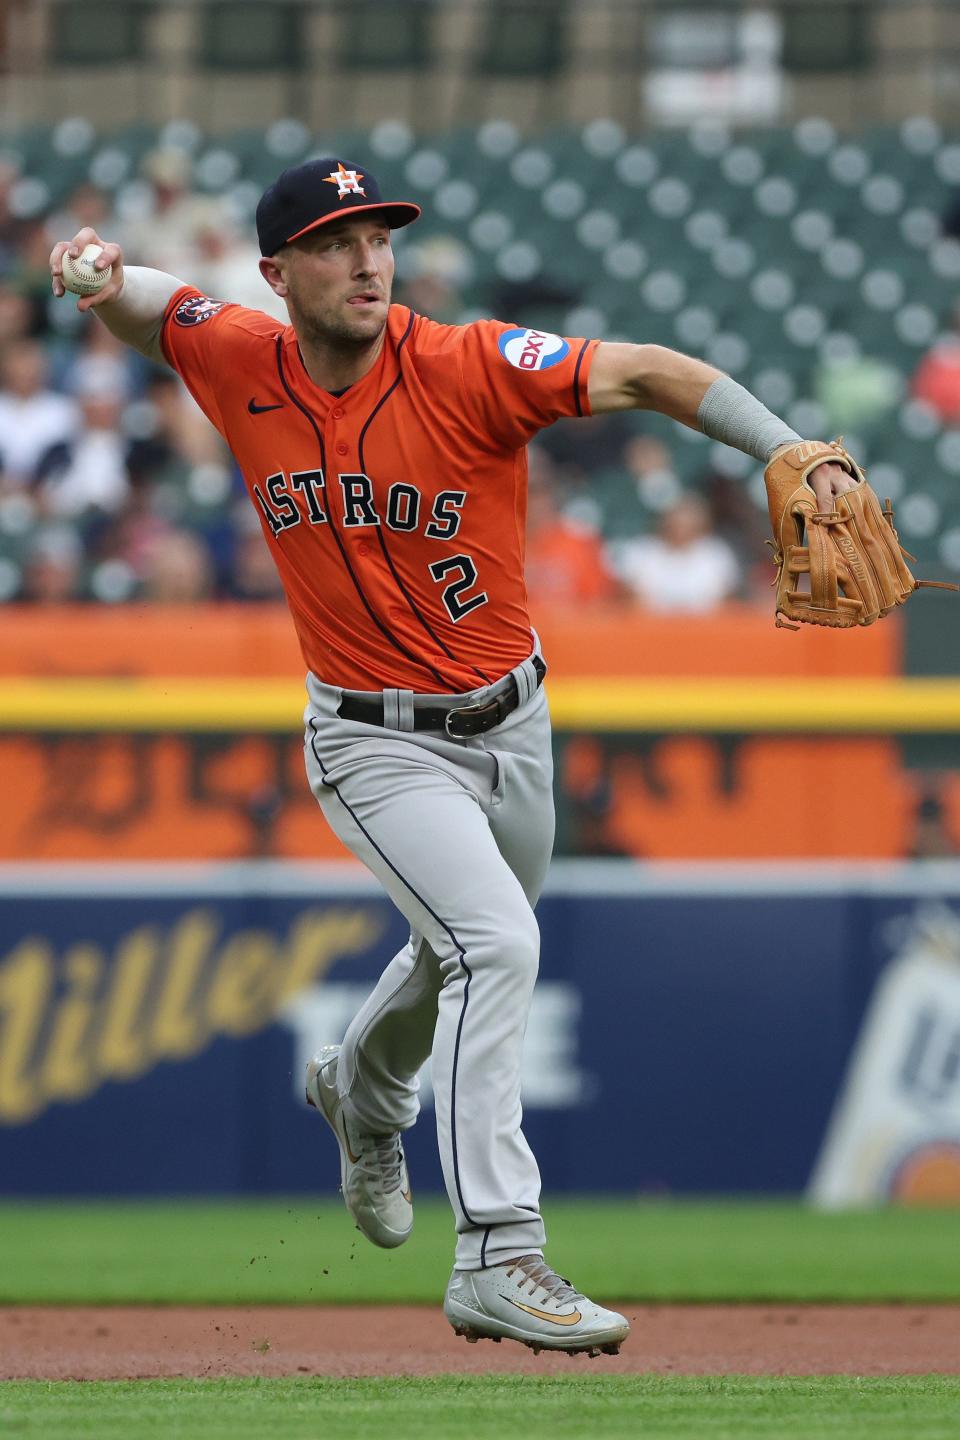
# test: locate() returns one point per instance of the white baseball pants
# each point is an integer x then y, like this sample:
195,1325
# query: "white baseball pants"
459,833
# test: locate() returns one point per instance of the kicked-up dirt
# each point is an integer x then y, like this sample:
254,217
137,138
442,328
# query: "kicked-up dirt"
130,1342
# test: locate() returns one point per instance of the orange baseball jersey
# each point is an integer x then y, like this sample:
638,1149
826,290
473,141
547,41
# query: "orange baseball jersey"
396,510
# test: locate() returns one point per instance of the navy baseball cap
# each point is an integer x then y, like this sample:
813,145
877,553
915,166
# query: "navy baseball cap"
317,192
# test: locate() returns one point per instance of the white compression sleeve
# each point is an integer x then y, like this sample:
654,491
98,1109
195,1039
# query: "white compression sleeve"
136,315
728,412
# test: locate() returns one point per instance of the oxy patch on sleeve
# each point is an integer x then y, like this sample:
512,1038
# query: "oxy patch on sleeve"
532,349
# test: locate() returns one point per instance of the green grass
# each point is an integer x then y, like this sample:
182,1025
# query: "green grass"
918,1408
291,1252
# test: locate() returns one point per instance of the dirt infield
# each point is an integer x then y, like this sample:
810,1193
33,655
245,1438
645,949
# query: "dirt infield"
138,1343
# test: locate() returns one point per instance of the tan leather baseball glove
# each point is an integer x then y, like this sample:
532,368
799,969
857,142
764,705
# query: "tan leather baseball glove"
844,568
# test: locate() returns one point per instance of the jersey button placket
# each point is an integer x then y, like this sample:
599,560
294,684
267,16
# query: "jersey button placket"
341,448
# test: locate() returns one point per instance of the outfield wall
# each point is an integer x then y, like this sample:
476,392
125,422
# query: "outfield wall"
125,732
691,1031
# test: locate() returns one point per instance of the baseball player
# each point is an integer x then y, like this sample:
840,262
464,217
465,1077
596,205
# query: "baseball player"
385,455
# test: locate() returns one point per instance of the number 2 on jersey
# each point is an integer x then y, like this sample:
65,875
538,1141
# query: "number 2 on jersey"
455,606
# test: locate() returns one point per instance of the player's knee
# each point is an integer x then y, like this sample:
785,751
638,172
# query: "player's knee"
523,947
512,951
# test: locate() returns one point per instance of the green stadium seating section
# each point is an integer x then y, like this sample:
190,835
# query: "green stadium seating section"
761,249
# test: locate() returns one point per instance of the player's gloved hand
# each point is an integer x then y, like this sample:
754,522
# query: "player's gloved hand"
839,559
828,480
112,255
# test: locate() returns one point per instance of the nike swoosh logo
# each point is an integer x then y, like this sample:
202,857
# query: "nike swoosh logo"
256,409
543,1315
344,1139
408,1196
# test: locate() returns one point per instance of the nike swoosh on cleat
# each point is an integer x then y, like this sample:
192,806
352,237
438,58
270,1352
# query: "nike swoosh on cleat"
354,1159
256,409
543,1315
341,1129
408,1196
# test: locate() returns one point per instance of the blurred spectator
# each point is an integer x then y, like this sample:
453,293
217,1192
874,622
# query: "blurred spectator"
623,498
99,365
136,529
527,301
163,236
565,560
34,421
651,469
856,392
431,277
16,316
684,567
932,839
431,296
87,204
937,378
226,266
9,226
177,569
585,445
170,430
53,570
29,275
253,574
735,519
90,472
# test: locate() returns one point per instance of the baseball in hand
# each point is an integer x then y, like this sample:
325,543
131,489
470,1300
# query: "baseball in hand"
79,276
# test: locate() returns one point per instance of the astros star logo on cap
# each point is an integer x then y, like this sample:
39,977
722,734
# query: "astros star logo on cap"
347,181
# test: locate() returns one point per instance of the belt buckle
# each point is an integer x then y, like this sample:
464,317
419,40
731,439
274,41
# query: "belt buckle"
473,716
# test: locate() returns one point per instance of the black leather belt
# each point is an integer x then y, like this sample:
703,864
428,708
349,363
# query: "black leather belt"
451,717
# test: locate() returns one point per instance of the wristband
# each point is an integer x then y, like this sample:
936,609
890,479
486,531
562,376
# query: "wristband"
728,412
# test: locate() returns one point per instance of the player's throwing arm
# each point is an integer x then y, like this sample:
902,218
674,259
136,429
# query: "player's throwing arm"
130,300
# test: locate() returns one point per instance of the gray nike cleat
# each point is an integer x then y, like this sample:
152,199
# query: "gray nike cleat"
527,1301
373,1170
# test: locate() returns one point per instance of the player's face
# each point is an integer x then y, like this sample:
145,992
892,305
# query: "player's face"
338,281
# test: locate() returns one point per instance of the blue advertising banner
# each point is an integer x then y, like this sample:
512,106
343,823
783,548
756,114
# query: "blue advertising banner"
690,1031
